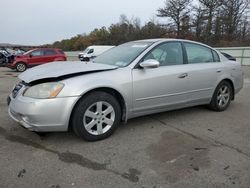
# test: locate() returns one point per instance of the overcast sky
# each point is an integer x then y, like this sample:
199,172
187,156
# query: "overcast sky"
35,22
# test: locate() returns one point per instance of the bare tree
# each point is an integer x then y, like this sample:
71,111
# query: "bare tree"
185,26
218,28
198,21
244,27
233,11
175,10
211,7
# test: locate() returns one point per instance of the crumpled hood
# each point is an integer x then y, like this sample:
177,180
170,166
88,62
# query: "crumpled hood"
60,69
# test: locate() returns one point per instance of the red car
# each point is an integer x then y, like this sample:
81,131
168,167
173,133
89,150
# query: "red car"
36,57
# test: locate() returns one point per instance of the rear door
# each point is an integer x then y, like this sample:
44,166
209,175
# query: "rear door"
164,86
49,55
204,68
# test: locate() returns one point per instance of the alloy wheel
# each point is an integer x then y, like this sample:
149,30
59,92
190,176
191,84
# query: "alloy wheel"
223,96
20,67
99,118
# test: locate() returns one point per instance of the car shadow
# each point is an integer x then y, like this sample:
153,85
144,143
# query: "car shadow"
135,123
132,123
172,114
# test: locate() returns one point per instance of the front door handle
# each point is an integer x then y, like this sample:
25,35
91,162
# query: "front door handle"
184,75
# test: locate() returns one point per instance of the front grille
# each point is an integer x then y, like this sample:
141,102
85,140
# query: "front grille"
16,89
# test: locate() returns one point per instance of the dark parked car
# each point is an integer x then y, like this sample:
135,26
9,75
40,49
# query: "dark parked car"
5,58
229,57
2,59
36,57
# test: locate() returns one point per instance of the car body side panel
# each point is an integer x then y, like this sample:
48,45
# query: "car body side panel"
118,79
49,58
234,72
202,78
158,87
36,60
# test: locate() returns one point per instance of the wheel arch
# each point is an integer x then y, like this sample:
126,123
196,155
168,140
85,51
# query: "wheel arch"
18,62
231,83
21,62
110,91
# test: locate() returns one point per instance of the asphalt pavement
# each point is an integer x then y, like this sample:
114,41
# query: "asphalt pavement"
192,147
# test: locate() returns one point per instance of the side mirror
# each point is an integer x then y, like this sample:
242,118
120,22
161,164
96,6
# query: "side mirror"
150,63
31,55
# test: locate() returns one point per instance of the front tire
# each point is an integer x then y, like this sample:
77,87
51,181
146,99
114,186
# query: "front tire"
21,67
86,59
222,97
96,116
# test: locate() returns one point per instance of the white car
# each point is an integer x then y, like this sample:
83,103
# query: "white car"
92,52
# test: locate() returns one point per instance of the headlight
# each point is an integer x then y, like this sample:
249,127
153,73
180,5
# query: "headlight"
44,91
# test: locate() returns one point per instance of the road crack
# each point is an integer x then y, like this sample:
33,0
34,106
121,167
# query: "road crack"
72,158
211,141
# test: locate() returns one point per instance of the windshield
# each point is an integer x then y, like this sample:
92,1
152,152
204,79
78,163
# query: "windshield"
85,51
122,55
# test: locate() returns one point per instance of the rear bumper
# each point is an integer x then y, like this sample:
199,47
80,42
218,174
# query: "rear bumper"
42,115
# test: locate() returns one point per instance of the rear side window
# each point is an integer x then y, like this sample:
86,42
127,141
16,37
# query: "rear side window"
216,56
49,52
198,54
61,52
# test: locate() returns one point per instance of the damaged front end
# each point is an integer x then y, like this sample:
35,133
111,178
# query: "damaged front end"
37,103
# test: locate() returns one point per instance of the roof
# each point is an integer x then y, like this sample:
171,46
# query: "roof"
170,39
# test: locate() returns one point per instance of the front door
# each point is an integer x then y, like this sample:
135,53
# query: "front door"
164,86
36,57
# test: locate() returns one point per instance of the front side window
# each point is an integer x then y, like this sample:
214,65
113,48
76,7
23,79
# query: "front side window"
198,54
167,54
37,53
90,51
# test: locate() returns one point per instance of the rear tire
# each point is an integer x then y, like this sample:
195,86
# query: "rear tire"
21,67
96,116
222,97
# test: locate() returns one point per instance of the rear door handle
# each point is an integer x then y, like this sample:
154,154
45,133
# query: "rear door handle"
219,71
184,75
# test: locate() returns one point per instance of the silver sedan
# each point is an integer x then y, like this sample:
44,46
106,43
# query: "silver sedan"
134,79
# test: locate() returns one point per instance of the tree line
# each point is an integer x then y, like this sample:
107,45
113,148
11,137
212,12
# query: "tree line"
214,22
